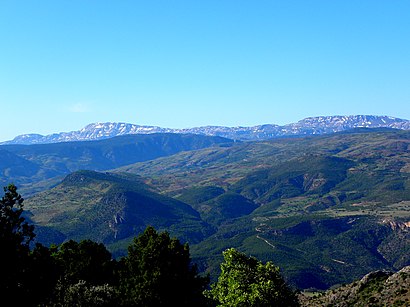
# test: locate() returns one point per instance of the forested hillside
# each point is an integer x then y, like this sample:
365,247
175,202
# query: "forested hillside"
157,271
326,209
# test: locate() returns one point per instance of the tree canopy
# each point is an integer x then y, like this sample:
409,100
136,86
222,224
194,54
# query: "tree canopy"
88,261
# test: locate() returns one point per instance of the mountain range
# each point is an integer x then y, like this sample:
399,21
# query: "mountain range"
325,203
307,126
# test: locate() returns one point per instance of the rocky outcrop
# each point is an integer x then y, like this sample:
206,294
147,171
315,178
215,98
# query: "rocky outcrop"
379,288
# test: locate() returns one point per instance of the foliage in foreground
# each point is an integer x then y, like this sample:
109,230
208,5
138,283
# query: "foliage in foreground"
15,238
157,271
245,281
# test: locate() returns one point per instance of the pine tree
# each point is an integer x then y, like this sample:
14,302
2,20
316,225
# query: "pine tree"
15,238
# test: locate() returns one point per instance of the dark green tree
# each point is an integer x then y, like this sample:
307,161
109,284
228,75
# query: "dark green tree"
245,281
15,238
88,261
86,274
157,271
42,274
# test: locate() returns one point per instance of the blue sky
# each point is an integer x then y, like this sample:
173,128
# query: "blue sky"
180,64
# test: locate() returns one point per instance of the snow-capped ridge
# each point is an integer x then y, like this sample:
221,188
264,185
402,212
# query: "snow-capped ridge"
307,126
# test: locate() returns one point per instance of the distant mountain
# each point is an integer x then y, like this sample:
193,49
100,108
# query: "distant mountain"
32,164
307,126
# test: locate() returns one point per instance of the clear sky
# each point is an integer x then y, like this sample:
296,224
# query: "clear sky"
179,64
